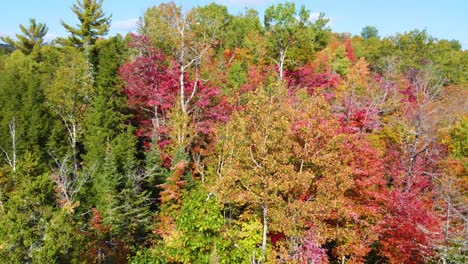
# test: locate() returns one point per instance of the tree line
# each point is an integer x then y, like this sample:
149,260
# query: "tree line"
208,137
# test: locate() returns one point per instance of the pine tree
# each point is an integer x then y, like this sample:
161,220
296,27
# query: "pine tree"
93,23
31,39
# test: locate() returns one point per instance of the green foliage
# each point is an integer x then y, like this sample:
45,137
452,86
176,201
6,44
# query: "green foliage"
369,32
341,63
236,76
68,95
147,256
290,32
413,47
93,23
157,173
211,20
452,62
459,139
5,49
21,99
163,35
31,227
413,50
110,54
105,116
240,28
70,90
287,174
32,38
62,240
24,219
119,193
199,223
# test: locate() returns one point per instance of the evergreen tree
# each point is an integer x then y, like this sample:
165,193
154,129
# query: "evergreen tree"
22,102
32,228
62,241
93,23
120,195
106,113
31,39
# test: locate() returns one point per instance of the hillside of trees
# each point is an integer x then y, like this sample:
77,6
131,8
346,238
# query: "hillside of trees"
210,137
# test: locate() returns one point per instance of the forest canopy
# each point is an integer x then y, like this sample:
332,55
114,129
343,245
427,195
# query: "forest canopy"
210,137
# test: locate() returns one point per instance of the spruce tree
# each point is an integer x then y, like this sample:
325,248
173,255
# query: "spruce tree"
119,190
105,116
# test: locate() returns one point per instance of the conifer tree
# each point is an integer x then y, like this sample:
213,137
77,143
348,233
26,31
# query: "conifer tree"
21,103
93,23
106,113
32,228
119,188
32,37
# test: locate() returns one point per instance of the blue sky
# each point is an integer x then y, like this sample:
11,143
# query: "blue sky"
441,18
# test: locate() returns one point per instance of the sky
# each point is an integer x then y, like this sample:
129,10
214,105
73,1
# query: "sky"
443,19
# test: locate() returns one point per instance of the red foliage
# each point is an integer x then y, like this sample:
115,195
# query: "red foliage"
350,51
359,118
209,108
170,197
407,225
276,237
306,77
101,247
410,93
409,228
257,76
368,169
152,88
309,250
96,223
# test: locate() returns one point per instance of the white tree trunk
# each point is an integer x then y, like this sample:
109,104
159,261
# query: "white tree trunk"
73,139
11,160
182,90
12,127
265,227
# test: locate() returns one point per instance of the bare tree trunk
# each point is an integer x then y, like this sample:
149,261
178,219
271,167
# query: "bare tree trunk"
74,151
281,59
413,154
265,227
182,90
89,65
12,127
446,233
68,184
156,124
11,160
280,65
